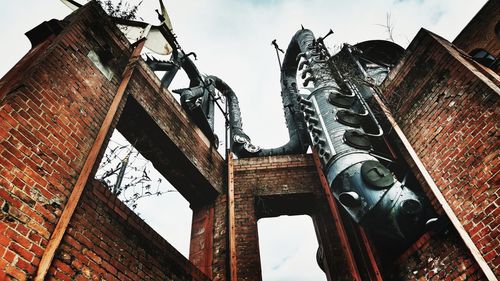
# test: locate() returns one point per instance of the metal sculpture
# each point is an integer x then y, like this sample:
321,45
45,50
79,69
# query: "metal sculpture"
337,120
201,95
336,113
241,143
333,118
199,99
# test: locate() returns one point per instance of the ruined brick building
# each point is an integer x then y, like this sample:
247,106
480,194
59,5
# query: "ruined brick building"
58,106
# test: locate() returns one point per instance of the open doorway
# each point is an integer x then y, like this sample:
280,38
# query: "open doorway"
288,246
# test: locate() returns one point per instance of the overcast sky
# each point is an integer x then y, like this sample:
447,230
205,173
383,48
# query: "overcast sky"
232,40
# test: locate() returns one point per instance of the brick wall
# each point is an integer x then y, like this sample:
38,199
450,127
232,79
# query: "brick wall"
46,129
108,241
220,240
180,151
202,233
480,31
52,105
437,257
447,109
274,186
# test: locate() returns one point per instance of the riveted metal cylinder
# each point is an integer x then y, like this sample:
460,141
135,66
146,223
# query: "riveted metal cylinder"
368,191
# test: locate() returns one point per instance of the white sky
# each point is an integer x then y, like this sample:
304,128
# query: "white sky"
232,40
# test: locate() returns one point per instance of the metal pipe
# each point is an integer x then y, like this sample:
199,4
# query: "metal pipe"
297,131
240,141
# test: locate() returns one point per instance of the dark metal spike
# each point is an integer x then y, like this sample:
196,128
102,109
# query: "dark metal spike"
192,54
160,16
179,91
330,32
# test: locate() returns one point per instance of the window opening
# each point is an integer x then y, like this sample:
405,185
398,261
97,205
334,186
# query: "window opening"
483,57
288,246
136,182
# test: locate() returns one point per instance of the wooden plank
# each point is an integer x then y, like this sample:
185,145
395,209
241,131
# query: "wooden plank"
62,224
437,193
373,269
209,242
332,204
232,228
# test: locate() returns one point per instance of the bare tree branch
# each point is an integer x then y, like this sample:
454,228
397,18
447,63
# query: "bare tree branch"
389,27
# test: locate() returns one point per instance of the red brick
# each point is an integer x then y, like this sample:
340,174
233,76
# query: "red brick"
450,141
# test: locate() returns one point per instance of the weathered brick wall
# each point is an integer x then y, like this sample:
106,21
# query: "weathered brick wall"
202,233
50,115
285,175
108,241
220,240
182,153
274,186
52,105
448,111
480,31
437,257
160,129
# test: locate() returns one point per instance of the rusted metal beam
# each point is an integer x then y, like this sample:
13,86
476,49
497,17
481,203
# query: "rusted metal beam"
74,198
232,221
344,240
